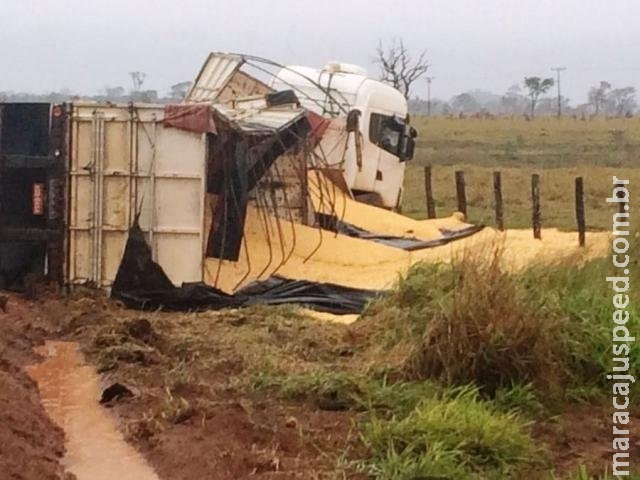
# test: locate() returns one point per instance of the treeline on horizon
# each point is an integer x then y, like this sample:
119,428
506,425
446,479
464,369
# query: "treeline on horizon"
604,100
108,94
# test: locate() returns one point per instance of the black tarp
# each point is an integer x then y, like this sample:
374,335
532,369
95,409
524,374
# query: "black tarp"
238,162
142,284
323,297
334,224
229,179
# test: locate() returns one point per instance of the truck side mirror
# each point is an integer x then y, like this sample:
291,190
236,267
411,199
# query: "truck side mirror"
408,144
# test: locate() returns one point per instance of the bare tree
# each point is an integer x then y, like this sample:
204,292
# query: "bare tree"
598,96
536,86
397,66
137,78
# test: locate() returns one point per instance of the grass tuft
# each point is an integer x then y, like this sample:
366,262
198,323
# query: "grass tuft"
450,437
471,322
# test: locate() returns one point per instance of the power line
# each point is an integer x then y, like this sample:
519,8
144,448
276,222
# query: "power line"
558,70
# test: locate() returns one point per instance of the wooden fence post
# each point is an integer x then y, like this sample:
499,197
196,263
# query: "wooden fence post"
460,192
497,195
431,206
535,202
580,211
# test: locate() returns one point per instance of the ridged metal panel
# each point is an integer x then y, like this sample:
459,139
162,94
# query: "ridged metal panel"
264,120
213,77
123,164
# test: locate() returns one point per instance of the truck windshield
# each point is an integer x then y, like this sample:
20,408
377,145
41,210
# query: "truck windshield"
386,132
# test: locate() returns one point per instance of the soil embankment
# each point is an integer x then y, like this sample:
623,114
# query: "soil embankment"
31,445
191,415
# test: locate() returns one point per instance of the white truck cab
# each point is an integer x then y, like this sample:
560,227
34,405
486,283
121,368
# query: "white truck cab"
386,139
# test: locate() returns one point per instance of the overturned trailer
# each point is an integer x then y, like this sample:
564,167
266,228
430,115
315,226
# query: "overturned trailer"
73,184
188,204
73,177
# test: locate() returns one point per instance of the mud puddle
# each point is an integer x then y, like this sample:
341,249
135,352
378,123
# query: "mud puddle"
70,390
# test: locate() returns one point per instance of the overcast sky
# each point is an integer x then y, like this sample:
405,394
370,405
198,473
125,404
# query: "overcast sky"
85,45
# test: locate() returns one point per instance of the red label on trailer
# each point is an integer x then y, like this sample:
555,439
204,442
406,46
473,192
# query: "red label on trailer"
38,199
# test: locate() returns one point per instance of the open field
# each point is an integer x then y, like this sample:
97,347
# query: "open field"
558,150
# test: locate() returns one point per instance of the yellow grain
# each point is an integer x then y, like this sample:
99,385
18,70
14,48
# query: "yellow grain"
304,252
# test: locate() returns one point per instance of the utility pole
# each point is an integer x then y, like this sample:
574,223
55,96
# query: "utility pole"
429,79
558,70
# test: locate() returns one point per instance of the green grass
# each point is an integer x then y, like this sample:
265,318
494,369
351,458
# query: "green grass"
521,398
361,391
580,295
468,322
558,151
455,437
541,143
422,429
471,322
584,474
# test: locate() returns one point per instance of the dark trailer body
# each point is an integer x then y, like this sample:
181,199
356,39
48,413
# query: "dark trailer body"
33,139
